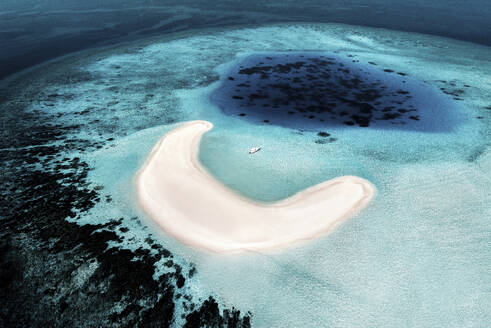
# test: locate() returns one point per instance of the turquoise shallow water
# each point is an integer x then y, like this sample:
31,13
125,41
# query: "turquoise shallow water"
418,256
294,156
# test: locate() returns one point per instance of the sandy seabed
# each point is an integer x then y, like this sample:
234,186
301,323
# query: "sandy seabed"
191,205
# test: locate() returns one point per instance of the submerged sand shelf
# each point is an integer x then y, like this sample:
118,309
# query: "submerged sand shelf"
192,206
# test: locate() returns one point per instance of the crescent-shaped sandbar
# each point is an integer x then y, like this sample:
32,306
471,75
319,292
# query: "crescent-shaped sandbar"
191,205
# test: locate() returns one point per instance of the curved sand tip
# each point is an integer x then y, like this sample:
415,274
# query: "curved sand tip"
189,204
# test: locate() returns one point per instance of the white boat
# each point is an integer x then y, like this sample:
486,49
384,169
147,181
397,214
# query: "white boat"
254,150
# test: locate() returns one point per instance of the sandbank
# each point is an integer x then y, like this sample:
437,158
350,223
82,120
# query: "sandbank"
188,203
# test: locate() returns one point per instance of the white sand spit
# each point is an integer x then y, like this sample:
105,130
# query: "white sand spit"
191,205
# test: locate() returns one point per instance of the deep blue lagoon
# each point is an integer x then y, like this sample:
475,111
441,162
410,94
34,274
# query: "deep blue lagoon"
315,90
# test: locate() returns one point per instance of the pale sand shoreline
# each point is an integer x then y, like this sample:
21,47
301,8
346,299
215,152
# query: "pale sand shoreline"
189,204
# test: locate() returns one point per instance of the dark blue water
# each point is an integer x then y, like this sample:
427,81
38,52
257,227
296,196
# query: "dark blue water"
32,31
324,90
